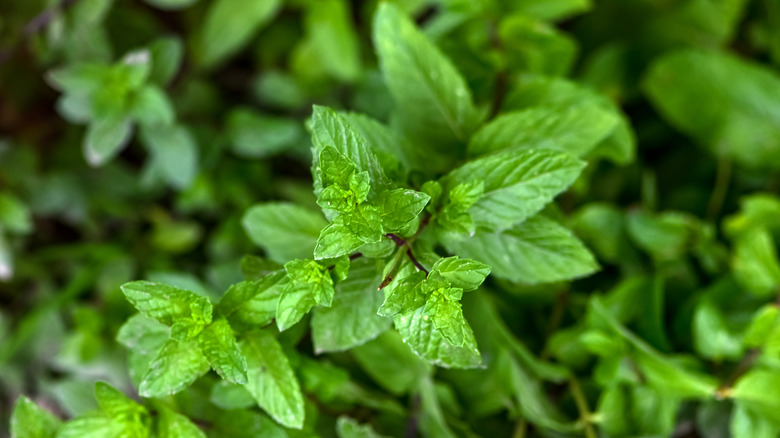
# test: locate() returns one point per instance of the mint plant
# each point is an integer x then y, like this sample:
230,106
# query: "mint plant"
419,218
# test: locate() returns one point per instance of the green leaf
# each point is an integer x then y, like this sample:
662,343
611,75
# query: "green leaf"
447,316
755,262
712,336
167,54
395,154
331,129
536,251
105,138
352,319
15,217
419,333
432,99
150,106
286,231
145,338
256,135
167,304
755,391
398,207
314,274
391,364
294,302
115,404
171,4
331,31
230,396
28,420
90,425
552,10
174,425
231,24
335,167
573,130
219,345
336,240
742,99
177,365
174,153
404,295
536,47
348,428
252,303
463,273
747,424
271,380
517,184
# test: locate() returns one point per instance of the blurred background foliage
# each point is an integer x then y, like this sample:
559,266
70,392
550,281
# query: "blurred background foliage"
135,134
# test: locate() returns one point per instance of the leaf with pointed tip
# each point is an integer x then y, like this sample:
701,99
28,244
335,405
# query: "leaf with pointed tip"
271,381
518,184
174,425
398,207
166,303
29,420
404,295
219,345
419,333
463,273
177,365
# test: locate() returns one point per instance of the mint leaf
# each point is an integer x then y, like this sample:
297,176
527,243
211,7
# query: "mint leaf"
271,380
150,106
418,331
517,184
394,153
294,302
105,138
331,129
352,319
349,428
174,425
463,273
124,412
286,231
174,153
31,421
167,304
90,425
177,365
336,240
230,24
145,338
311,273
334,167
252,303
398,207
404,295
331,31
432,99
755,262
574,130
445,310
736,122
219,345
536,251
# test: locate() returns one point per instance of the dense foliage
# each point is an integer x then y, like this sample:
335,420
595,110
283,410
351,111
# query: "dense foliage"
438,218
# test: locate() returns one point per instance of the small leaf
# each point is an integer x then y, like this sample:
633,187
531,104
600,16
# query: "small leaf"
150,106
271,380
419,333
463,273
219,345
174,153
174,425
404,295
105,138
398,207
28,420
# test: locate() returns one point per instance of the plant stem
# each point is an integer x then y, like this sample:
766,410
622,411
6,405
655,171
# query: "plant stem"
722,181
582,406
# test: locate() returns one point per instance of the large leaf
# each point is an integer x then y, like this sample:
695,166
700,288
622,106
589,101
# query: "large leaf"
537,251
271,380
432,99
517,184
286,231
728,105
351,320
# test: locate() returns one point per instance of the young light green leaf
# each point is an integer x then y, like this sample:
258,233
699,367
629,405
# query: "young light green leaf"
432,99
145,338
91,425
331,129
252,302
419,333
404,295
352,319
463,273
286,231
230,24
294,302
219,345
747,424
398,207
105,138
447,316
115,404
167,304
312,273
573,130
517,184
174,425
336,240
536,251
177,365
29,420
755,391
271,380
755,262
348,428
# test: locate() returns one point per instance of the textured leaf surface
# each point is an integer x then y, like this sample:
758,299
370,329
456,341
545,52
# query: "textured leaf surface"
286,231
517,184
219,345
272,381
167,303
536,251
420,334
176,366
352,319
